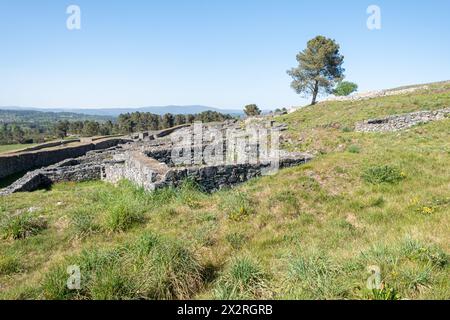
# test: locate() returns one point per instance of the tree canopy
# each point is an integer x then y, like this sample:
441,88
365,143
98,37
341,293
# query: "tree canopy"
345,88
252,110
319,68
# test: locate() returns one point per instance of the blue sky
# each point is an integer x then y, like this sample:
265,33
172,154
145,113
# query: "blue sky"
223,53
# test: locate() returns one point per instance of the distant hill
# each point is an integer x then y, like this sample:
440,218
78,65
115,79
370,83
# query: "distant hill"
33,116
114,112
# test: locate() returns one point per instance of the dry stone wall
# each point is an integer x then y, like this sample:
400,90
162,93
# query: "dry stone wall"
146,163
401,122
213,178
86,168
15,163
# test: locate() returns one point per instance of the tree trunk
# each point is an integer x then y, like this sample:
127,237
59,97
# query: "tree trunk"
315,93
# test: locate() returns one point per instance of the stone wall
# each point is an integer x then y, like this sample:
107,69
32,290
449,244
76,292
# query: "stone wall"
401,122
134,167
15,163
213,178
376,94
85,168
147,164
151,174
48,145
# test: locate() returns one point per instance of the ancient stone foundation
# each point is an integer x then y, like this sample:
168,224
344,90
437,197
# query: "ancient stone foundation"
401,122
151,174
20,162
148,162
88,167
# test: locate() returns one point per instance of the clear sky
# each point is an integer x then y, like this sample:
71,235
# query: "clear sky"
222,53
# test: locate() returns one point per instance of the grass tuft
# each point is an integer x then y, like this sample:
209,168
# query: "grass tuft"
21,226
383,174
151,267
243,279
236,205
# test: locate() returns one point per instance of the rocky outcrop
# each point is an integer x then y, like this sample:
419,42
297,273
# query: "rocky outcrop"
401,122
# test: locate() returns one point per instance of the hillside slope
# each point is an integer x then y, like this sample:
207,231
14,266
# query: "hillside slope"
367,201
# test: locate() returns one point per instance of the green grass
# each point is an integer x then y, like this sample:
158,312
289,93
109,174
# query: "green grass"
242,279
150,267
15,147
21,226
308,232
383,174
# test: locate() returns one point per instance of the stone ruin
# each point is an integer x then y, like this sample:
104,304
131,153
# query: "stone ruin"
156,159
401,122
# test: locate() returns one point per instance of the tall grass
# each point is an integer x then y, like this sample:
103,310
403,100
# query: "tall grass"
151,267
242,279
315,276
21,226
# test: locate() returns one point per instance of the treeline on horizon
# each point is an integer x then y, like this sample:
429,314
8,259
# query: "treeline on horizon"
24,132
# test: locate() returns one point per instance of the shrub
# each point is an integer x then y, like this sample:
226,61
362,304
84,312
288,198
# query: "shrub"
382,174
252,110
347,129
354,149
21,226
243,279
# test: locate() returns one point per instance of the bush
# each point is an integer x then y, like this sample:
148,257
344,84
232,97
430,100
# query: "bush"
354,149
383,174
347,129
21,226
244,279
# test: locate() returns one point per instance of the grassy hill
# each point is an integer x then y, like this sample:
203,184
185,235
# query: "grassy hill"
367,201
